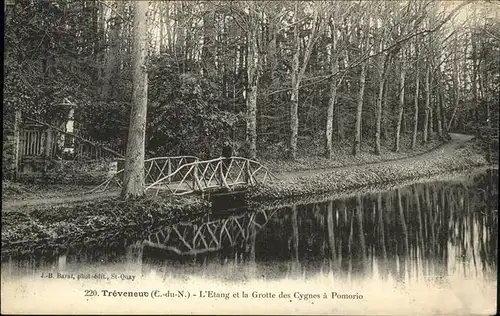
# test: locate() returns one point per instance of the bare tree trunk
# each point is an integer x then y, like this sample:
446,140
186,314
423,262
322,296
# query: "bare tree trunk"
485,100
253,79
339,124
133,180
474,78
401,102
170,40
294,100
427,103
273,64
441,108
17,144
378,112
417,93
180,37
161,6
112,56
298,73
439,114
456,87
126,42
415,115
385,125
359,110
431,121
333,94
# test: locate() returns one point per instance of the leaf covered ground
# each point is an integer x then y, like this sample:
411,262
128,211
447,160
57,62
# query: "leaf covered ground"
311,157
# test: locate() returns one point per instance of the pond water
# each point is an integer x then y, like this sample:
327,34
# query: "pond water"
427,247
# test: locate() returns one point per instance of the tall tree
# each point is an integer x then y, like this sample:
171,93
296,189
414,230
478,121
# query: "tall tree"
363,40
253,73
112,56
133,179
334,66
299,69
383,67
399,115
383,63
337,38
427,103
456,81
415,102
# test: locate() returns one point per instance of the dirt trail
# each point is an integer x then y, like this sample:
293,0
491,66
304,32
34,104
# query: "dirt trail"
13,205
456,141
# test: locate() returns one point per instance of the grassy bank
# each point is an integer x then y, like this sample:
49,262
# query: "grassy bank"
93,223
345,179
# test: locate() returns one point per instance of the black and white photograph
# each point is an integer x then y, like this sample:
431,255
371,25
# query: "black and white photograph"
332,157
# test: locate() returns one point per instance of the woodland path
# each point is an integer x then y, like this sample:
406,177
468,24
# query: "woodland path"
76,196
456,141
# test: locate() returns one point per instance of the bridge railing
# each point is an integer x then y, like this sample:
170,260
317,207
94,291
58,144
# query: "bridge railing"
215,173
187,174
161,167
154,169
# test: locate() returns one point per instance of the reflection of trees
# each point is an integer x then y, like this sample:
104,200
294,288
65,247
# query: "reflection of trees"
361,236
381,247
419,245
295,264
421,230
403,241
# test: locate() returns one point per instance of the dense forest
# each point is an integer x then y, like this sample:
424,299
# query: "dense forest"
275,77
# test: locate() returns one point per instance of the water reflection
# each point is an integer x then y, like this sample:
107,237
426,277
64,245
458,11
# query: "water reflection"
427,231
420,231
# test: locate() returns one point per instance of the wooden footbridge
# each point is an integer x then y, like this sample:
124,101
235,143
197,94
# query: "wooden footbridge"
211,236
183,175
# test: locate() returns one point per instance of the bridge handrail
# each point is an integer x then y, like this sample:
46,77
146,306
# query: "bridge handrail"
158,158
171,157
186,165
198,162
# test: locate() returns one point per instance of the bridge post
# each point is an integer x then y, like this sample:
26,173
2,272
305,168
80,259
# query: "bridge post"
220,175
169,170
223,165
195,178
247,172
248,175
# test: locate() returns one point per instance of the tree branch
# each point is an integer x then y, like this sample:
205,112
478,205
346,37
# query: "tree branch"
113,10
387,49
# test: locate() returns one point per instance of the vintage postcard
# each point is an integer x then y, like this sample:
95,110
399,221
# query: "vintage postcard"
250,157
